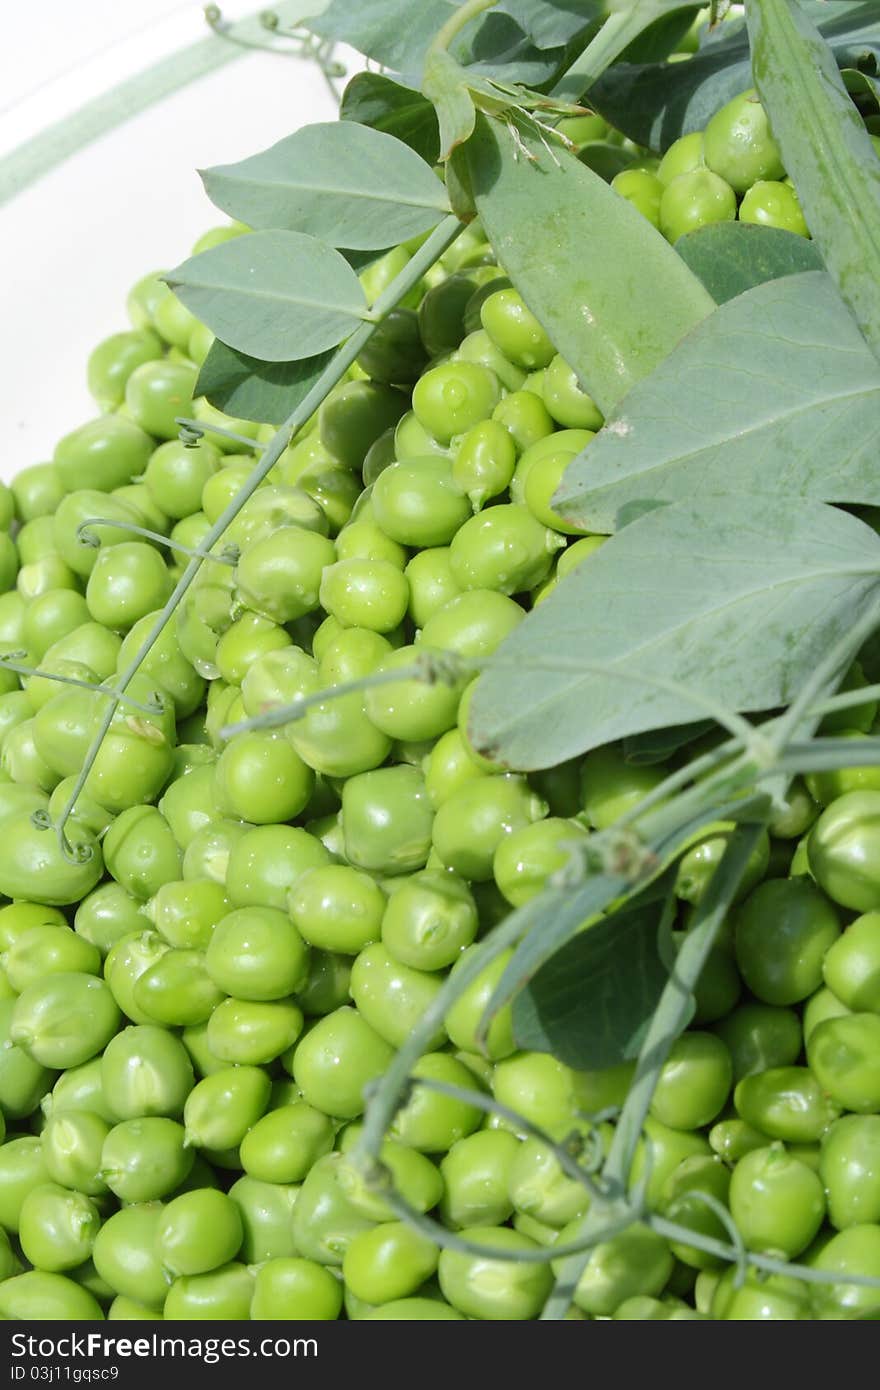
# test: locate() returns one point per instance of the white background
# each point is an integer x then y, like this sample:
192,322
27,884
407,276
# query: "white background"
131,202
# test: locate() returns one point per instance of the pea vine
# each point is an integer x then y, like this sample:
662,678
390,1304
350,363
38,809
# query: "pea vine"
763,563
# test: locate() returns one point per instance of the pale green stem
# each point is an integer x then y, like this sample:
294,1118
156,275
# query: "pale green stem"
471,9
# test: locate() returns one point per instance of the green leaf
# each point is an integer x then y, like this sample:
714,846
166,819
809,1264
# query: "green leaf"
656,103
395,33
376,101
776,393
826,151
279,296
551,25
658,745
250,389
591,1003
615,307
732,257
444,84
346,184
699,608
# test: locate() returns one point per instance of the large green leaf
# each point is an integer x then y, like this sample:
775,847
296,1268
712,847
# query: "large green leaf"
377,101
732,257
279,296
253,390
776,393
655,103
590,1004
611,293
825,148
724,603
347,184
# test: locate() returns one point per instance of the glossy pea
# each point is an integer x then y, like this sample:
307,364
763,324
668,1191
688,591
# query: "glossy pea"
417,502
760,1036
46,950
24,1079
429,920
738,143
265,1209
414,1176
253,1033
387,820
157,392
503,548
472,624
145,1159
267,862
855,1250
851,964
221,1108
494,1289
207,854
184,912
31,862
463,1018
64,1019
295,1288
324,1221
390,1261
431,1122
126,960
145,1070
140,851
441,313
392,997
480,349
484,462
102,454
50,616
80,1088
470,824
335,1059
43,1296
56,1227
788,1103
844,1056
22,1168
284,1144
695,199
188,803
176,990
636,1261
257,953
365,593
413,709
515,330
165,662
849,1166
452,398
72,1141
682,1203
785,965
36,490
761,1298
337,908
540,1188
221,1295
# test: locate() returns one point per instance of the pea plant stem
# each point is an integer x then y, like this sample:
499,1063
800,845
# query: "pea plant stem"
441,238
669,1020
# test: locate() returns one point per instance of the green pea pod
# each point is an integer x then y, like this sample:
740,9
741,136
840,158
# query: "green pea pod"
826,151
635,296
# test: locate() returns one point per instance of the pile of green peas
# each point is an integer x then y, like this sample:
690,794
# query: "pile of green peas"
732,170
192,1009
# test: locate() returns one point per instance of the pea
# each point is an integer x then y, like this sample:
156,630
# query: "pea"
145,1159
390,1261
784,965
395,353
337,908
22,1168
31,862
760,1036
478,348
106,452
776,1201
849,1166
221,1295
695,199
20,917
390,996
295,1289
776,1297
683,155
477,1175
821,1005
412,709
515,330
450,399
50,616
326,988
682,1203
788,1103
431,1122
284,1144
221,1108
80,1088
350,653
257,953
851,963
125,962
324,1221
265,1209
140,851
470,824
42,1296
36,491
658,1154
429,920
145,1070
484,462
72,1142
207,854
844,1055
636,1261
853,1251
335,1059
185,912
441,314
412,1175
64,1019
738,144
412,440
472,624
365,593
503,548
497,1290
387,819
525,859
57,1228
465,1015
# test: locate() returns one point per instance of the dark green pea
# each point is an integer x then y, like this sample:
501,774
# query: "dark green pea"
266,1210
787,1103
22,1167
324,1220
125,1254
177,990
220,1110
326,988
250,1032
354,415
64,1019
441,314
24,1080
57,1228
145,1159
283,1145
72,1141
849,1166
198,1232
760,1036
125,962
221,1295
146,1071
395,353
783,931
42,1296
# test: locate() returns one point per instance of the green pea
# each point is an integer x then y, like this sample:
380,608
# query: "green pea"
635,1261
198,1231
412,440
145,1070
411,1174
72,1141
733,1139
431,1122
480,349
429,920
265,1209
80,1088
497,1290
337,908
412,709
849,1166
540,1188
452,398
324,1221
388,1262
844,1056
42,1296
472,624
464,1016
184,912
441,314
64,1019
525,417
395,353
566,400
221,1108
207,854
484,461
682,1203
103,453
776,1297
36,490
392,997
503,548
853,1251
50,616
738,144
283,1145
470,824
176,990
349,653
31,862
20,917
851,963
788,1103
257,953
785,965
140,851
477,1176
125,962
387,820
221,1295
326,988
335,1059
145,1159
165,664
515,330
821,1005
22,1168
776,1201
47,950
57,1228
365,593
295,1289
760,1036
253,1033
337,739
24,1079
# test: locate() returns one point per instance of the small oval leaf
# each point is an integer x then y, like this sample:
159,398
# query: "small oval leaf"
732,257
253,390
278,296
